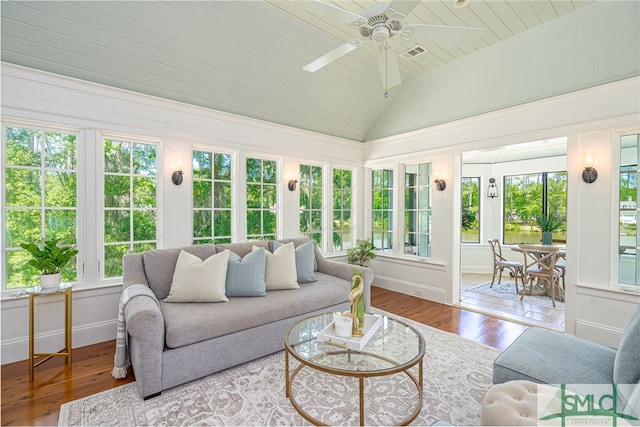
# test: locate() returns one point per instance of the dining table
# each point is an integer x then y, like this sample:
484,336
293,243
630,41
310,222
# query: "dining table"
541,287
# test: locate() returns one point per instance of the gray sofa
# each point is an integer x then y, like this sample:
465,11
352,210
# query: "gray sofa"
172,343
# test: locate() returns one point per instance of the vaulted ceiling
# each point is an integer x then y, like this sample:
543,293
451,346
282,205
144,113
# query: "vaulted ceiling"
246,57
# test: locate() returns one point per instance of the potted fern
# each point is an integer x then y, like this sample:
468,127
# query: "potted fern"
361,253
49,260
548,223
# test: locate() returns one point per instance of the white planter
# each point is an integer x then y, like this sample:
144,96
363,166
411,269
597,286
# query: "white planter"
50,280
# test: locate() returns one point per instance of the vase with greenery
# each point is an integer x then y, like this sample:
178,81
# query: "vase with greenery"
49,260
548,223
361,253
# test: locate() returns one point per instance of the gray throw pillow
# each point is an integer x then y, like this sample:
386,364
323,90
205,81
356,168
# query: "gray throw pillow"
305,258
245,276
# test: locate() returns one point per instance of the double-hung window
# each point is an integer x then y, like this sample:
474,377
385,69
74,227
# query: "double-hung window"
40,198
382,209
417,209
211,197
262,180
628,264
130,204
311,202
470,205
342,209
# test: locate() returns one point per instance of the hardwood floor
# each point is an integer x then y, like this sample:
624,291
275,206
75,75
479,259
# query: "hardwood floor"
38,403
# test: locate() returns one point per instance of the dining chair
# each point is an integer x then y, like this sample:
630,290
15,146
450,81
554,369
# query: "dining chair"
500,263
539,265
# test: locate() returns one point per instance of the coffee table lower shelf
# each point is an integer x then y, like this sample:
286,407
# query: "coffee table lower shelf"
361,375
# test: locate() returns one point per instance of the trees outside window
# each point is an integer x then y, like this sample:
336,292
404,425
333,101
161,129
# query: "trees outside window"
130,207
470,210
311,202
628,264
527,196
262,179
382,209
417,209
342,193
40,187
211,197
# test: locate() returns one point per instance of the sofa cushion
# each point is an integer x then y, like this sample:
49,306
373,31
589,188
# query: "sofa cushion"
550,357
245,276
626,368
281,268
190,323
160,264
195,280
242,249
305,261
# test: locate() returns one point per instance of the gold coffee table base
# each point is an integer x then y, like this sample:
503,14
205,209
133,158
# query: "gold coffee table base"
361,375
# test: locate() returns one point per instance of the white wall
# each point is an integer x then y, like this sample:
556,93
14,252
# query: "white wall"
30,95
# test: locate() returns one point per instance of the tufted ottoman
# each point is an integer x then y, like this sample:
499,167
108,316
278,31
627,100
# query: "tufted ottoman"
515,403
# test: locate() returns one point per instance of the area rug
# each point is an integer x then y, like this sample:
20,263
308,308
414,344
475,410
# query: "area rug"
457,374
507,290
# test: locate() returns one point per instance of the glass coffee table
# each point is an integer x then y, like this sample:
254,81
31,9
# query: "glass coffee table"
395,348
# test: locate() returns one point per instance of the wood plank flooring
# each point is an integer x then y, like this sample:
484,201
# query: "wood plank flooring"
38,403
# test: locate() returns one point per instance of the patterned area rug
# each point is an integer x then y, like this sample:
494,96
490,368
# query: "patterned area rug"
507,290
457,374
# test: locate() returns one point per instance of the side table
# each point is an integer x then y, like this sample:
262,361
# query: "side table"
36,359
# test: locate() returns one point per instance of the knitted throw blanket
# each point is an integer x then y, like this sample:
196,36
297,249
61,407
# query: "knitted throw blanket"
121,359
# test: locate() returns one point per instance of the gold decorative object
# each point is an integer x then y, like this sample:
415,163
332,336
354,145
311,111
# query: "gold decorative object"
354,300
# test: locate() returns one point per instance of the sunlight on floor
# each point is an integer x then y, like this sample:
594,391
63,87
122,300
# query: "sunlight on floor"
519,311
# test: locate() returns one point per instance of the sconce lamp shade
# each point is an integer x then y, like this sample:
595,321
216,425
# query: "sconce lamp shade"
492,191
292,184
589,175
440,184
176,177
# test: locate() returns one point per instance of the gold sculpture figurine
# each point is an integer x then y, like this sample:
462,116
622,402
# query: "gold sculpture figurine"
354,300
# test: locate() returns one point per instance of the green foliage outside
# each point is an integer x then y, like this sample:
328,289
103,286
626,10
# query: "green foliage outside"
40,195
211,197
261,175
310,187
382,209
342,190
470,210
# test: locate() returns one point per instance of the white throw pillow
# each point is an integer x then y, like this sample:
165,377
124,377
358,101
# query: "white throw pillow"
281,268
195,280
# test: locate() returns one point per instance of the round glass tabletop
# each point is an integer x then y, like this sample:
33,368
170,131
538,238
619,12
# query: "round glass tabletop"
393,347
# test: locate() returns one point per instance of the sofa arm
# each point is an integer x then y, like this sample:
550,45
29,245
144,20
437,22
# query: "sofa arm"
345,271
145,326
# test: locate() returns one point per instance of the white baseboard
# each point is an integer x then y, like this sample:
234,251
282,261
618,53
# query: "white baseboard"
410,288
601,334
17,349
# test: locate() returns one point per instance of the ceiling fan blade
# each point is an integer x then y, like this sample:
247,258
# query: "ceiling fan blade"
388,65
336,53
333,13
404,7
442,34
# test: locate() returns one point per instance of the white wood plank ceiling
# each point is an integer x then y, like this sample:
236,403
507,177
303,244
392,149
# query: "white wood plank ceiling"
246,57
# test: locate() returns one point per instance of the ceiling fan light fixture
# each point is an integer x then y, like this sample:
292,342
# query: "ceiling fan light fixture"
460,3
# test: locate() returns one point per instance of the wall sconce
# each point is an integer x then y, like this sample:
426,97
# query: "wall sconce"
292,184
440,184
492,191
589,174
176,177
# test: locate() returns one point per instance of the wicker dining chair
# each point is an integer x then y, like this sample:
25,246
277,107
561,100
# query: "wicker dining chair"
500,263
539,265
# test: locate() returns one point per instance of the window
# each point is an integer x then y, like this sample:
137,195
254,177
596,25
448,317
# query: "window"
211,197
382,209
261,198
342,190
417,209
311,202
527,196
628,265
40,187
130,209
470,210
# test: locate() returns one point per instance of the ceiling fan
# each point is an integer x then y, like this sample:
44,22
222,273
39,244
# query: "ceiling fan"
380,23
